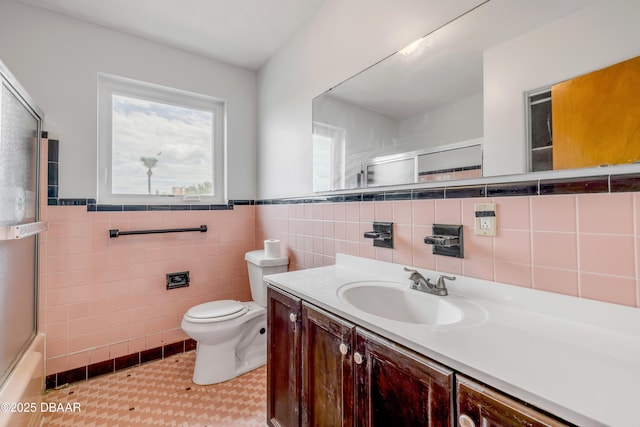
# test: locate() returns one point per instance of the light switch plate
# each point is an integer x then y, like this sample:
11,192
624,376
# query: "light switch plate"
486,219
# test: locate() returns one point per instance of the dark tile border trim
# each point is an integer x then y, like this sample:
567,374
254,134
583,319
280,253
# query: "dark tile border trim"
524,188
84,373
580,185
624,183
53,167
92,206
465,191
428,194
596,184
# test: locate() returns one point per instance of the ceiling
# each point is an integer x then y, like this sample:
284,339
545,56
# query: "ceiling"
239,32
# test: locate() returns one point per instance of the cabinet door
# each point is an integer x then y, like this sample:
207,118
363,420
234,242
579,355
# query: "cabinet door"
397,387
283,359
595,117
327,369
481,406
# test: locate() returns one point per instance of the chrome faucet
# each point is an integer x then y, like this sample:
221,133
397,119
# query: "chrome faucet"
419,283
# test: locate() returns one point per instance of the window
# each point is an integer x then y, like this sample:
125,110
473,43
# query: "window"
158,145
328,157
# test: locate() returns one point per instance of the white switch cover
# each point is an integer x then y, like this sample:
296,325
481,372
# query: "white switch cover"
486,224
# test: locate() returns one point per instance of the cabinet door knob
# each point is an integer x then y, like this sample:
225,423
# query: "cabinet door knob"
293,317
344,349
357,357
465,421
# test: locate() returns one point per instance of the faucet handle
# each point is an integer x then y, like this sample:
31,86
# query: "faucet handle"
440,282
415,276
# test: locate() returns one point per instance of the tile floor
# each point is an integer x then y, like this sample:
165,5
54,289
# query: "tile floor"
161,393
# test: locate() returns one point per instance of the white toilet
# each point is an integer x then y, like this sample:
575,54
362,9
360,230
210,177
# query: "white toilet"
231,335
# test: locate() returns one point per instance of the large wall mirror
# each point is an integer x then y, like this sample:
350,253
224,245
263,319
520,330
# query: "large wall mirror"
510,87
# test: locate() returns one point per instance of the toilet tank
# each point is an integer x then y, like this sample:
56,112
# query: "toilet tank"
259,265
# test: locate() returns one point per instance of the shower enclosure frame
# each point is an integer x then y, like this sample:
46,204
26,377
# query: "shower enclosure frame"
21,230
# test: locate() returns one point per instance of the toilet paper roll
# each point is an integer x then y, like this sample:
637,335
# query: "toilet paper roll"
272,248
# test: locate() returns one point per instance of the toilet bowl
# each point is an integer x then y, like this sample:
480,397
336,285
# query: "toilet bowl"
231,335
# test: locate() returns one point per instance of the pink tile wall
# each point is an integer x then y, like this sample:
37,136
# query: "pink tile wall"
582,245
102,298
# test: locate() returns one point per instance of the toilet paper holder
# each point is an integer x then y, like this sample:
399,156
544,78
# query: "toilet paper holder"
382,234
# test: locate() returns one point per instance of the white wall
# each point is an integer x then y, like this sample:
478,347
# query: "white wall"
458,121
598,36
365,130
57,60
342,39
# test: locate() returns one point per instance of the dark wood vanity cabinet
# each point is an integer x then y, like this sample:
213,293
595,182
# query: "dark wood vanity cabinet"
347,376
284,331
397,387
327,369
481,406
323,370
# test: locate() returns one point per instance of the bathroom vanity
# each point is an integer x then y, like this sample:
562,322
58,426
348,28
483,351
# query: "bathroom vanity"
348,346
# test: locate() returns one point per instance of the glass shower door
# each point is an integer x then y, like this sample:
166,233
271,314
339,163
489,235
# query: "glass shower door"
19,152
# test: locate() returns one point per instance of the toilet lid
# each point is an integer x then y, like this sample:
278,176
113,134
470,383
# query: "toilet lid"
227,309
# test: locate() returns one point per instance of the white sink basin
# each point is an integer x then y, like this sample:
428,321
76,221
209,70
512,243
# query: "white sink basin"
396,301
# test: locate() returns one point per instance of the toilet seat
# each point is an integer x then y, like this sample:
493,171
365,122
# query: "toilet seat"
216,311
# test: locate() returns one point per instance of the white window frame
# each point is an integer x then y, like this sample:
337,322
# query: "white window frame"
108,85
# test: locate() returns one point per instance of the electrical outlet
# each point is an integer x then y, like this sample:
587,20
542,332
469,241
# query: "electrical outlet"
486,220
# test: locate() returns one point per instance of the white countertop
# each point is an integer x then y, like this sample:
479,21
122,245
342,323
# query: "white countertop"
576,358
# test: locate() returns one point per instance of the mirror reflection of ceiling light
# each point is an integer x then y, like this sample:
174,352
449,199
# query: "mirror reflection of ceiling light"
408,50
